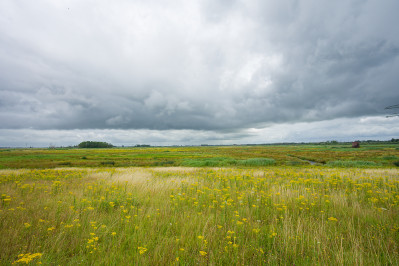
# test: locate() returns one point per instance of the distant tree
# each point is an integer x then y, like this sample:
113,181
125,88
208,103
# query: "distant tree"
94,144
334,142
142,145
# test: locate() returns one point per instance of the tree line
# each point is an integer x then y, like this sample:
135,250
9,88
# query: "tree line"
94,144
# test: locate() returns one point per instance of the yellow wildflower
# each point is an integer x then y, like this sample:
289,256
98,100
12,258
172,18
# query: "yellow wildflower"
142,250
203,253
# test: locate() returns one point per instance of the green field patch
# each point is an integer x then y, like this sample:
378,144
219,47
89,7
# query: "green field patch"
65,163
257,162
344,149
390,157
225,161
295,163
108,163
163,163
32,157
352,164
211,162
374,148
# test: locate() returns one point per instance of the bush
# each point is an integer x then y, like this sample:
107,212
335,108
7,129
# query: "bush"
396,163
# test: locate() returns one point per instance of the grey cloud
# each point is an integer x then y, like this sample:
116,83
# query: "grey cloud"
343,129
206,65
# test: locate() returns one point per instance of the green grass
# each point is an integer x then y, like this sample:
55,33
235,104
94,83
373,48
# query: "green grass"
223,162
257,162
352,164
390,157
209,162
382,155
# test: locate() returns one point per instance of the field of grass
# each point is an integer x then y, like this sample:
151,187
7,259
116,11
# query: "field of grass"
371,155
256,211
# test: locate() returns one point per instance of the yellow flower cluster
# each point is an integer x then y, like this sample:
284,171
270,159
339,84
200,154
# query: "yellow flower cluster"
27,258
142,250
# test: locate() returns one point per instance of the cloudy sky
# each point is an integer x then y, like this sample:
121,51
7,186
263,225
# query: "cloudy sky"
202,71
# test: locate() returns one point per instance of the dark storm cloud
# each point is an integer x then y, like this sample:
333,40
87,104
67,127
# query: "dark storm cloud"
202,65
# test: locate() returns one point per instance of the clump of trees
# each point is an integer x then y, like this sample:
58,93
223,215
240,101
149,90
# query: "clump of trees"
94,144
142,145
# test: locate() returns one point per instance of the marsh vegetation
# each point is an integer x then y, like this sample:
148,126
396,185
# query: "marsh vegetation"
252,212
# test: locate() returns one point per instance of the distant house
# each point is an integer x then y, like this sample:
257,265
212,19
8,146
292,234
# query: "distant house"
356,144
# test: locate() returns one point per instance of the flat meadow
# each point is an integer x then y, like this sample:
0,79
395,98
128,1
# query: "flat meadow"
278,205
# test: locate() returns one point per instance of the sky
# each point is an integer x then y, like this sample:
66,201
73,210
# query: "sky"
197,72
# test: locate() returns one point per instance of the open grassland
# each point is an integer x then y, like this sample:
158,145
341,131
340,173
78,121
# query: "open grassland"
188,216
369,155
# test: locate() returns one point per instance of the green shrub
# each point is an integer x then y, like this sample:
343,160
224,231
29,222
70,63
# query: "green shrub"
396,163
